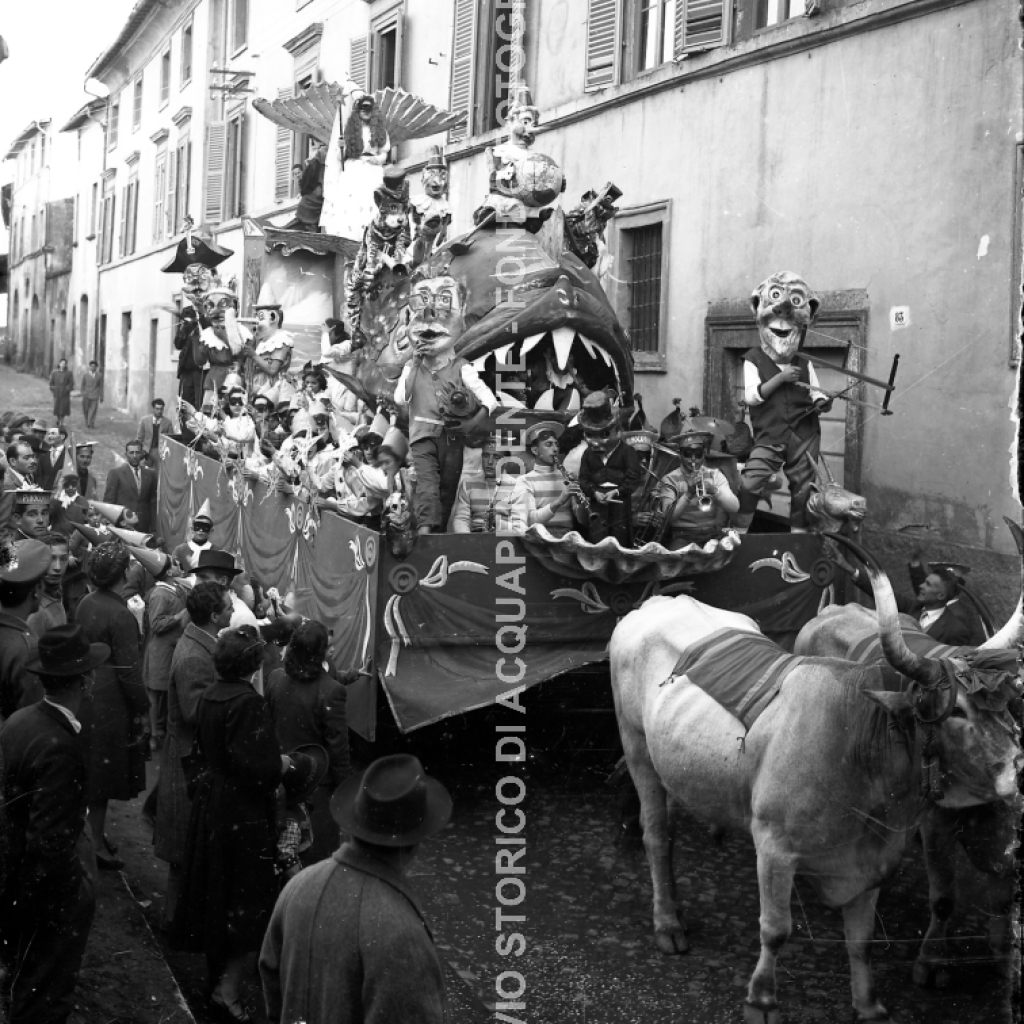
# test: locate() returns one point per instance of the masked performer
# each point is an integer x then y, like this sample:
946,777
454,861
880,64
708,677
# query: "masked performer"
431,211
609,473
784,398
224,339
272,355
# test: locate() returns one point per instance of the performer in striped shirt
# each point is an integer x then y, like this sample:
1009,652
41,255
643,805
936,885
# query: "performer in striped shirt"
486,504
546,496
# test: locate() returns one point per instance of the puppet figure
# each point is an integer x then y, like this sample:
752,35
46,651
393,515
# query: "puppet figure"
355,162
223,337
196,260
523,184
783,396
385,244
431,211
436,322
609,473
585,229
272,356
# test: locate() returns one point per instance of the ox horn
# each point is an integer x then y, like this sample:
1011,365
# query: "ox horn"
1013,632
924,670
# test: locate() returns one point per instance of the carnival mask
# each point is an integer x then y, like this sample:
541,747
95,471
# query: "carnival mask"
603,441
217,304
197,280
391,216
784,307
436,322
268,322
523,124
435,182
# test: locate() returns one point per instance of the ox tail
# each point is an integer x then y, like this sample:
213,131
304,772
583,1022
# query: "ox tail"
926,671
1013,632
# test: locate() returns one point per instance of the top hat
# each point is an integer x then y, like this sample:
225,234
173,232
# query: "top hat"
393,803
209,254
539,431
436,160
309,766
65,651
214,558
598,413
394,186
30,563
641,440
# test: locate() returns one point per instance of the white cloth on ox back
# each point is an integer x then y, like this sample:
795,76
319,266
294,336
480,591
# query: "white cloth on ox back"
742,671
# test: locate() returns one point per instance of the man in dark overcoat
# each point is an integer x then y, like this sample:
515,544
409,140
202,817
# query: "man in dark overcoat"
20,584
48,894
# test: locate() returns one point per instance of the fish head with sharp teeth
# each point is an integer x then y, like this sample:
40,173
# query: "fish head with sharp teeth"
784,307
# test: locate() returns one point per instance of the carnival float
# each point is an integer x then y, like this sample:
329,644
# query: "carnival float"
446,621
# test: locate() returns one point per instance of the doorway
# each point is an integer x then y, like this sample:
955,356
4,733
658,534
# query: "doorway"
126,337
101,354
154,328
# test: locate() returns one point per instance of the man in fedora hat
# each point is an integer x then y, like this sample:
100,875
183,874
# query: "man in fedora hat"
341,926
48,893
20,582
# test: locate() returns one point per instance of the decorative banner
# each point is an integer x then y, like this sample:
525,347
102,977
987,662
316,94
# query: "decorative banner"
439,624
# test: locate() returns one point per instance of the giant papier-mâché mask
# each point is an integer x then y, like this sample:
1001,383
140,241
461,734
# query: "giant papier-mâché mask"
784,307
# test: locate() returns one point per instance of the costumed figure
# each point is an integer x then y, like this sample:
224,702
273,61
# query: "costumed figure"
784,398
311,192
492,502
196,260
431,211
385,244
610,471
585,228
547,491
272,355
355,161
523,184
436,322
695,500
233,432
223,338
340,353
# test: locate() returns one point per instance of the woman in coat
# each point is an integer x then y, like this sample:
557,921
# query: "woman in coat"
61,384
229,884
115,721
308,706
192,673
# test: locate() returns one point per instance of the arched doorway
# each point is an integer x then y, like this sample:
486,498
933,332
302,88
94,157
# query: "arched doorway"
83,327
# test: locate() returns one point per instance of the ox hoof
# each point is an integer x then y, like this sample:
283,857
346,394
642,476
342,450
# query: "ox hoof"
931,975
761,1014
672,941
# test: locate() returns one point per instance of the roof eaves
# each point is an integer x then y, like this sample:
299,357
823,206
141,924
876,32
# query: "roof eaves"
84,114
24,136
139,13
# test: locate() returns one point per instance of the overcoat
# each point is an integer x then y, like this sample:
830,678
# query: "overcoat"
190,676
114,717
163,604
229,882
61,384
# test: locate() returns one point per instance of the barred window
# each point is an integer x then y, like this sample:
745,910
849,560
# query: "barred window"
644,263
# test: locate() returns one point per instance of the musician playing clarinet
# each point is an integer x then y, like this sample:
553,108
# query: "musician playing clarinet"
695,499
784,398
547,492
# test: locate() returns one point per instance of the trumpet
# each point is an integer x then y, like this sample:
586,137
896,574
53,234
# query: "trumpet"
705,502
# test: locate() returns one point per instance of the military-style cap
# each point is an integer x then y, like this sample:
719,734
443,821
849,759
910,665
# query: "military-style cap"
31,562
32,496
85,444
693,439
640,440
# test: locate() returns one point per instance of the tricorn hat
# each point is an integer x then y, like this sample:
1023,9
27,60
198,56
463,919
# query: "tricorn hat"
393,803
209,254
598,413
66,651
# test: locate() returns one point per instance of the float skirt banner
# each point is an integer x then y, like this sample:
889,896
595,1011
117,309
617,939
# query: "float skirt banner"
328,563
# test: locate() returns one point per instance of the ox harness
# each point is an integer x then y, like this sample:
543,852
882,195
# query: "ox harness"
740,670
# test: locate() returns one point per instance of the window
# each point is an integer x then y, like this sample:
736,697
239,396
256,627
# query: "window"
628,37
113,116
639,247
181,171
186,54
106,246
239,28
773,12
285,183
234,167
375,61
129,217
137,104
225,168
93,208
159,192
165,76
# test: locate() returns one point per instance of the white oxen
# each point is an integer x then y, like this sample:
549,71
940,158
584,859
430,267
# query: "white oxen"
822,783
985,832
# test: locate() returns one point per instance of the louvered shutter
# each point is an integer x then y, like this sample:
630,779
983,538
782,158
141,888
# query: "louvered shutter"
122,236
283,157
216,140
159,194
359,62
399,46
462,67
701,24
602,43
172,187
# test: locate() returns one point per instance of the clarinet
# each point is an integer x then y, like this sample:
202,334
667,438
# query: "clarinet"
593,518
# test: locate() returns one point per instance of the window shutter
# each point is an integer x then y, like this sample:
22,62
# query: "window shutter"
603,43
134,229
701,24
122,237
359,62
216,138
283,157
399,47
159,193
462,67
172,185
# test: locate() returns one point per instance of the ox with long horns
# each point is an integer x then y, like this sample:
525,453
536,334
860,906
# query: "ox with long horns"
987,832
827,780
